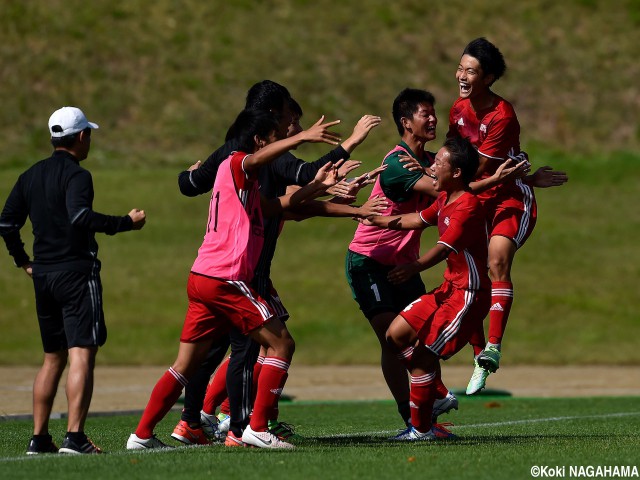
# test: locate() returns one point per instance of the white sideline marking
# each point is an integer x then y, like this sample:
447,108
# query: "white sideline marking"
347,435
500,424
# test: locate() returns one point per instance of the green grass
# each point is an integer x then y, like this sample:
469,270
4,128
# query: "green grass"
575,301
500,438
164,79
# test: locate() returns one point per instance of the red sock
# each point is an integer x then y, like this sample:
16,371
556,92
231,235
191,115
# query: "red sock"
257,368
477,340
405,356
217,389
423,394
441,388
163,397
501,301
272,379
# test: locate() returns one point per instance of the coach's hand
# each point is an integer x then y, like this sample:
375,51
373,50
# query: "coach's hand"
28,269
139,218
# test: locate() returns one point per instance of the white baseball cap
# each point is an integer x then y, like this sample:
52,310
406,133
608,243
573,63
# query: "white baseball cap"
67,121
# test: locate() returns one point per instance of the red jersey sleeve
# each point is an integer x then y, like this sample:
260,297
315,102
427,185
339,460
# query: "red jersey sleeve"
430,214
242,180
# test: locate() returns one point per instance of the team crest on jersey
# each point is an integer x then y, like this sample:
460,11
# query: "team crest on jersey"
483,128
446,221
461,122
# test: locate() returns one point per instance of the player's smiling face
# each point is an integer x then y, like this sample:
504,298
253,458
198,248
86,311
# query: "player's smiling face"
471,79
423,123
443,170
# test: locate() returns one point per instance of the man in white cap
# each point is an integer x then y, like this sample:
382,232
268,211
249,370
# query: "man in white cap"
57,195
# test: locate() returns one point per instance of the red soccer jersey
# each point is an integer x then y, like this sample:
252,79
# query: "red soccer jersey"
461,227
495,132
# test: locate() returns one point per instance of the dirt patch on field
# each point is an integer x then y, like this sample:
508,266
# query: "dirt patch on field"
128,388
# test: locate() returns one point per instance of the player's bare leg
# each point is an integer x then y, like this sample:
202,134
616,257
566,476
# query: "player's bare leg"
393,370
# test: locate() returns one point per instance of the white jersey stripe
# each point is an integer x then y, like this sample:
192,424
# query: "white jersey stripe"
527,200
261,307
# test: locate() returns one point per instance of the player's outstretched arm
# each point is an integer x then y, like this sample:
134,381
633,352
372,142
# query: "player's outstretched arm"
319,133
361,131
402,273
546,177
408,221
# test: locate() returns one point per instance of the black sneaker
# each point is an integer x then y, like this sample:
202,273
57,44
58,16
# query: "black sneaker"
69,446
37,446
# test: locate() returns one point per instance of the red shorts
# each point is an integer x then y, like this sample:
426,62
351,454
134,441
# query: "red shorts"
446,317
216,305
512,216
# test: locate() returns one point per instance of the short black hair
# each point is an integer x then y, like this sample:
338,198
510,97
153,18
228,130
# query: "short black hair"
407,103
267,95
68,140
464,156
295,107
490,58
249,123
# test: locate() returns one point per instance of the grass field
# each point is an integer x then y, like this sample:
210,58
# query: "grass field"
499,438
574,278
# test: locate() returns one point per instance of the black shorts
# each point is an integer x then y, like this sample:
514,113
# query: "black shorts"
69,307
373,291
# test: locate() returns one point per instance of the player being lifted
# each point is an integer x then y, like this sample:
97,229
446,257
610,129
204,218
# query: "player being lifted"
490,123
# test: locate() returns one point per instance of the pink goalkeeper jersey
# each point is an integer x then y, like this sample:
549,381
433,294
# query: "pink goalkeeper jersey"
391,247
234,237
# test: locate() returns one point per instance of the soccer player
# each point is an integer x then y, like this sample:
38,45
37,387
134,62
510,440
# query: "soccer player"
57,196
438,324
375,251
273,181
490,122
218,286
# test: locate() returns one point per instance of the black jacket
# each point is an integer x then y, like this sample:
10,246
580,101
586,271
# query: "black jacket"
57,195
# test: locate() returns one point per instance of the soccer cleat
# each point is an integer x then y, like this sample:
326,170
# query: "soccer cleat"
413,435
478,379
489,359
73,448
282,430
223,422
189,436
210,427
441,432
444,405
233,441
42,446
263,439
137,443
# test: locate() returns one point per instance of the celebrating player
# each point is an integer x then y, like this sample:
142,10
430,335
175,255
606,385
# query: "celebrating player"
443,320
218,286
490,122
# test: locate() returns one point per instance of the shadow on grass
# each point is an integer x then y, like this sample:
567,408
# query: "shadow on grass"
460,441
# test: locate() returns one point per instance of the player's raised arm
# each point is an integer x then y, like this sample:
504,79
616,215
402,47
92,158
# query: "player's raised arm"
319,133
